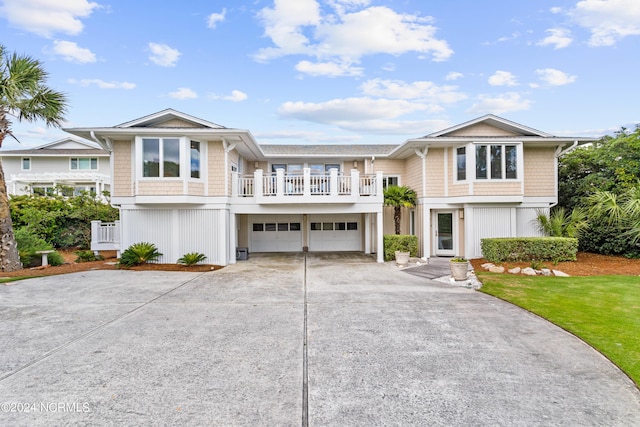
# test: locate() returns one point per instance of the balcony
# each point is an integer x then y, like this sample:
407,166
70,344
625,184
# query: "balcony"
282,188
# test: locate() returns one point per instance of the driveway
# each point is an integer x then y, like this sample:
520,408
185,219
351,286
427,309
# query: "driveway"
228,348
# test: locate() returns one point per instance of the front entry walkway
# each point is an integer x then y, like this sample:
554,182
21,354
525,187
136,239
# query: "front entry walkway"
316,339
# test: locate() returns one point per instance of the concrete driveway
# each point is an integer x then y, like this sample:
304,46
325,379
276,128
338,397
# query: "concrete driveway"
228,348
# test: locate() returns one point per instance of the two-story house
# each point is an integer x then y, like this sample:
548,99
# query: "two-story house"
70,163
188,185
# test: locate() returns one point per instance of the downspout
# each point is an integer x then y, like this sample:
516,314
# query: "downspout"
560,152
426,241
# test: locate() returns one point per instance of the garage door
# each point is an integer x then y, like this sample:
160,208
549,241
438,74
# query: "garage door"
275,233
335,233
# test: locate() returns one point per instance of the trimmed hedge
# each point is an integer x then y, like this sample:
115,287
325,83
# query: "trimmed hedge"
399,242
529,248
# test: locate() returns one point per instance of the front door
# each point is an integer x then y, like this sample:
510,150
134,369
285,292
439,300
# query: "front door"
445,237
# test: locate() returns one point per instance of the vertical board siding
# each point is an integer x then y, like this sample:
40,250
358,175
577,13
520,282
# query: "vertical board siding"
527,222
490,222
176,232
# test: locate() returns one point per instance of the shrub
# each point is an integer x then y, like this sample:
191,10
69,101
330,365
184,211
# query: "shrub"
28,244
192,258
87,256
529,248
399,242
55,258
139,253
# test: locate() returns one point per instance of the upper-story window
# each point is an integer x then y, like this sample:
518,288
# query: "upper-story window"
84,163
461,163
496,161
161,157
26,164
195,159
389,180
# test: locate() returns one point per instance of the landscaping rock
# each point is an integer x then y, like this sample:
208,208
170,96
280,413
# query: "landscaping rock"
487,265
495,269
529,271
560,273
545,272
515,270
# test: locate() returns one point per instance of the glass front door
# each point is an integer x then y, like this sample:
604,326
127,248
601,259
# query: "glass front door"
444,234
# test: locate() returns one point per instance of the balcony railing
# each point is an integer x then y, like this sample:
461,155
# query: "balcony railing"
105,236
281,187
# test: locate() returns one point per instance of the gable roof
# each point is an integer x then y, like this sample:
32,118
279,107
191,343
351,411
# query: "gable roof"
494,121
171,118
68,146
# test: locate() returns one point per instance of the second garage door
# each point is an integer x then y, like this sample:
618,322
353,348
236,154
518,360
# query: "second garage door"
335,233
275,233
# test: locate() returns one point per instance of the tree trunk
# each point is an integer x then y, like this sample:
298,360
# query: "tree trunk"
396,218
9,258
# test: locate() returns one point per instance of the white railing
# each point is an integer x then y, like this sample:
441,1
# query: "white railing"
279,187
105,236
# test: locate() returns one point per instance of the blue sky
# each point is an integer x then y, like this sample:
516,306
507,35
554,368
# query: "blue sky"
337,71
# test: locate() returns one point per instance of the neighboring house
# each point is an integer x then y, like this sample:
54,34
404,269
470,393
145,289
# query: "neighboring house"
188,185
73,163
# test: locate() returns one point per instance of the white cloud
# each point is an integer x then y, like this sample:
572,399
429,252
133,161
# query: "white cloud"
70,51
214,18
183,93
423,91
236,96
344,37
103,84
608,20
163,55
329,69
555,10
453,75
308,136
503,78
47,17
507,102
344,111
554,77
558,38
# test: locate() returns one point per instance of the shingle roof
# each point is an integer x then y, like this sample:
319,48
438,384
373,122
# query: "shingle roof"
328,150
57,152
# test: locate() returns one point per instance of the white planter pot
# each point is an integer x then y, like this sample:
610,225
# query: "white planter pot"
402,258
459,270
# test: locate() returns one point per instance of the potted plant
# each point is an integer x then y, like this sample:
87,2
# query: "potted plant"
402,257
459,268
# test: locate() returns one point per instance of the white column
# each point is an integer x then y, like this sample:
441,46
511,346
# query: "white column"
306,182
333,182
233,238
367,232
379,239
280,182
426,231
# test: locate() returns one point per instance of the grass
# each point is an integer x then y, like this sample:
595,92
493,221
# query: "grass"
13,279
601,310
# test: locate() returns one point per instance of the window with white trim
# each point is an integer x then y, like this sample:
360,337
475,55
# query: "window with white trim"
496,161
389,180
26,164
194,155
461,163
161,157
83,163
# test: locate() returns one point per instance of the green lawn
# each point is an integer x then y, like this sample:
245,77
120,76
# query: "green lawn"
602,310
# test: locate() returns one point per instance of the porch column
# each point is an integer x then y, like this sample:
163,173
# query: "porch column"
257,183
279,182
333,181
379,239
367,232
426,231
233,238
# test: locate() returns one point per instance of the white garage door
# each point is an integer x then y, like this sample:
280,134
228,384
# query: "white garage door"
275,233
335,233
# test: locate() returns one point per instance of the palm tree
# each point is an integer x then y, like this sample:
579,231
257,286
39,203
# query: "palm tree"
399,197
618,209
24,96
560,223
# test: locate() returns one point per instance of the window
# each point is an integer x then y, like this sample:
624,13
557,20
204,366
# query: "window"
195,159
388,181
276,166
461,163
161,157
26,163
496,162
84,163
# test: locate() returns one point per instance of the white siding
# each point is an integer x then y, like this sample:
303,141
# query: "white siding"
488,222
527,223
178,231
